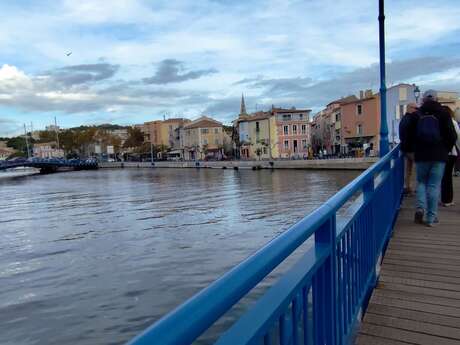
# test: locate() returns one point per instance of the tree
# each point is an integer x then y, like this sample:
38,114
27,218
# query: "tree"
135,138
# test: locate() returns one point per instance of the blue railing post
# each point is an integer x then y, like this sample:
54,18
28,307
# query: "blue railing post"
325,286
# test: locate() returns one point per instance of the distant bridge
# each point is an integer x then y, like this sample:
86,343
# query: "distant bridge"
49,165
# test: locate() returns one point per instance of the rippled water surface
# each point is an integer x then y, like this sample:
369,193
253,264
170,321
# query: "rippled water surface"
94,257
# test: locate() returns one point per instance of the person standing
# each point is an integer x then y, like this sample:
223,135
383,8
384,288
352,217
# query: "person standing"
407,145
447,188
434,137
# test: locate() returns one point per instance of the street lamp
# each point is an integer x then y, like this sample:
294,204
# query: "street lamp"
416,93
384,144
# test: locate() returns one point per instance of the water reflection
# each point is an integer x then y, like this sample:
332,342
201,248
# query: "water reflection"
93,257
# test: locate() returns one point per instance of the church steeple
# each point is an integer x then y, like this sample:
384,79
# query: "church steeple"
243,106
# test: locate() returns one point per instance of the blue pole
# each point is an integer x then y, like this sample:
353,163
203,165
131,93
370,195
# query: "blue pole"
384,145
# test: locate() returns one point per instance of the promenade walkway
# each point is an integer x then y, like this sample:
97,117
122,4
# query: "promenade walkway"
417,299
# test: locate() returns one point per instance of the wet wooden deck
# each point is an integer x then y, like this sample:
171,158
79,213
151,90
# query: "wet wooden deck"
417,299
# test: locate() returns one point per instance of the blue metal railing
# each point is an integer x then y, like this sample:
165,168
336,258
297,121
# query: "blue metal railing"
318,300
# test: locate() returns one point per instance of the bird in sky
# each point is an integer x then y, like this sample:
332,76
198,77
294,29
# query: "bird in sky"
68,54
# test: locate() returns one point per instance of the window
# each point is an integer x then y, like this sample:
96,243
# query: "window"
204,130
216,130
295,145
304,143
294,129
205,141
257,127
337,138
286,117
337,117
359,129
265,150
359,109
286,130
304,129
216,141
286,144
402,94
301,116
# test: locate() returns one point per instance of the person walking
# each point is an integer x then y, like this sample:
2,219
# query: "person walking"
408,144
447,188
434,137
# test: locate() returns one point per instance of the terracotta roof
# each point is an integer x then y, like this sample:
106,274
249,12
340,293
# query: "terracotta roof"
344,100
203,122
357,100
283,110
260,115
177,119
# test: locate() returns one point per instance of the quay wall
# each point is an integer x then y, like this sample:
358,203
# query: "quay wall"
318,164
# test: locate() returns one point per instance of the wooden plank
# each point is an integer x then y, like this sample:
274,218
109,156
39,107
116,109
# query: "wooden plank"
405,336
414,315
364,339
422,269
424,283
414,326
418,306
410,296
421,276
418,290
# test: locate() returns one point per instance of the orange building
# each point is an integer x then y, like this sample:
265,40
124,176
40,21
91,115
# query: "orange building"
360,121
163,132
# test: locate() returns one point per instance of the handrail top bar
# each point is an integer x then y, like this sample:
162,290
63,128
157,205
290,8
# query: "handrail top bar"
190,319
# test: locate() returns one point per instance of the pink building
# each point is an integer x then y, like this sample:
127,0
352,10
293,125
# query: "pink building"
293,132
361,122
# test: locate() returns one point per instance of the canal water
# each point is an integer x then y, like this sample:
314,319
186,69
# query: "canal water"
94,257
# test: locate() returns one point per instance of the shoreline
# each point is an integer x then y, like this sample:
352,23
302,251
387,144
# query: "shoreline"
317,164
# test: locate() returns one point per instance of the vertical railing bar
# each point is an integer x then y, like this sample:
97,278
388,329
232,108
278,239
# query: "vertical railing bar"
295,321
339,291
305,314
267,339
282,328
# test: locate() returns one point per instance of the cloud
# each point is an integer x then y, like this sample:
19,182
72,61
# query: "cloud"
169,72
319,92
81,74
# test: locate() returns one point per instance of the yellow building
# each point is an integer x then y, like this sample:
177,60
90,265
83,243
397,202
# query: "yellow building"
258,136
164,132
203,139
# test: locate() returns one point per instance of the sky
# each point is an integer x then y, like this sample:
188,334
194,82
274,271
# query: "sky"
133,61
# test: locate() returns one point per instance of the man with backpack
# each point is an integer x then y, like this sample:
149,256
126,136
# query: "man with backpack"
434,136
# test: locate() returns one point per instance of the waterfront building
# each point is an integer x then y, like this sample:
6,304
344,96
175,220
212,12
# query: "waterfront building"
326,127
398,97
450,99
164,132
257,134
202,139
293,138
47,150
360,120
5,151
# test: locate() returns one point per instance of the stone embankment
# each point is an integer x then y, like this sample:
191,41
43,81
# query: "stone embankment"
319,164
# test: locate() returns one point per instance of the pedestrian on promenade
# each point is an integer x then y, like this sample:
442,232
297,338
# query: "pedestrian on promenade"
447,188
408,144
435,137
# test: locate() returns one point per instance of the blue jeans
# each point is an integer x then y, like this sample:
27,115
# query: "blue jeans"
429,177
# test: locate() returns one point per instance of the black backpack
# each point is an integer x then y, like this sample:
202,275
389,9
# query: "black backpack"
428,131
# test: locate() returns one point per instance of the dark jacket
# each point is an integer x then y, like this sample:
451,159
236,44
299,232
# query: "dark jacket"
434,152
406,133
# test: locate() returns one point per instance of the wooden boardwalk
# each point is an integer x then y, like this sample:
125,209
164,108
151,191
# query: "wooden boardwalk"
417,299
